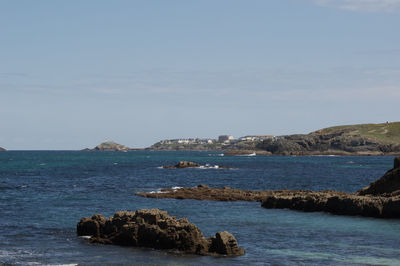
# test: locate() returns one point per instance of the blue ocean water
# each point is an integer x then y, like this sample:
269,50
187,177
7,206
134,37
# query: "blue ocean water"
43,194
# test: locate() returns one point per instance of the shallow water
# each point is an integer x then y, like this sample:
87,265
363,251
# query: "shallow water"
44,194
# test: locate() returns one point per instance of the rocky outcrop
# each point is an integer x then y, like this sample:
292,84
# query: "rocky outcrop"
203,192
388,185
309,201
109,146
380,199
184,164
156,229
337,203
2,149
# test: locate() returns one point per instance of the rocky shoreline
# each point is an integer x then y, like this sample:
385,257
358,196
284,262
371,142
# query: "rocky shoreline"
2,149
156,229
381,199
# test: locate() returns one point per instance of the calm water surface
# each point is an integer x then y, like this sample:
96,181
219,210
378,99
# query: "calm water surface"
44,194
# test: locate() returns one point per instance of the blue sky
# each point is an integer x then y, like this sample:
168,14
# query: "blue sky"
76,73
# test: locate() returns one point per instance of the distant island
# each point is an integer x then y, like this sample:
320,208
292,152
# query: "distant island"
109,146
363,139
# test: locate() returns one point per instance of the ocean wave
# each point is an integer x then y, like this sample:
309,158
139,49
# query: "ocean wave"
18,255
208,166
247,155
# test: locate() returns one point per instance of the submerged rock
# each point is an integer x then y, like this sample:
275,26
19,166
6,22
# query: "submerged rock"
156,229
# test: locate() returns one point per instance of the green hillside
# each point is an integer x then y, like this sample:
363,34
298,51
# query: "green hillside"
386,132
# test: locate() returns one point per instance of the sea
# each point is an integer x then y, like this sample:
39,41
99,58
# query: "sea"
43,195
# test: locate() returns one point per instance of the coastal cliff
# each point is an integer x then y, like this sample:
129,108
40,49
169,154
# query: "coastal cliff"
365,139
380,199
2,149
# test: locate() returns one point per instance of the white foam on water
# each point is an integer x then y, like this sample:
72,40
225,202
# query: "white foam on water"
174,189
157,191
68,264
18,255
248,155
85,237
218,154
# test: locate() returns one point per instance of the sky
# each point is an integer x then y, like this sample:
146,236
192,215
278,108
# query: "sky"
76,73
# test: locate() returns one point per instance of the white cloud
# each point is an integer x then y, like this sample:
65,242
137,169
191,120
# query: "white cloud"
363,5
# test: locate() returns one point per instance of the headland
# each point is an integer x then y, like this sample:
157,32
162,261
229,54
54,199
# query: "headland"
360,140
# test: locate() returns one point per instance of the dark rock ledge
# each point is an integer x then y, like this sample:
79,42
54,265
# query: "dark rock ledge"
156,229
380,199
185,164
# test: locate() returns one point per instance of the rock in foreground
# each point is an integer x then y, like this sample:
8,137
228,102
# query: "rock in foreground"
156,229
